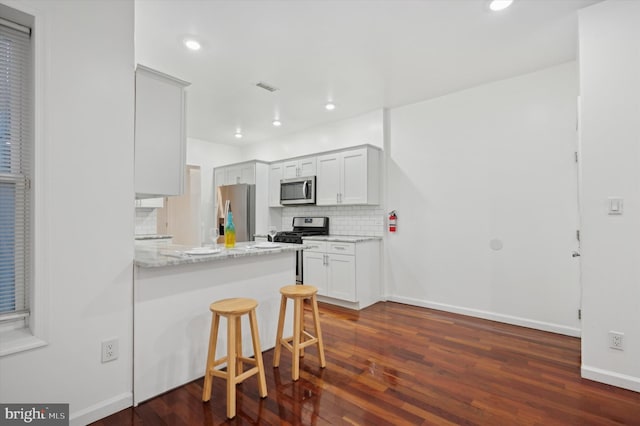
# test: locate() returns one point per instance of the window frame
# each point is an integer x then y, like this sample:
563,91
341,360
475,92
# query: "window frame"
36,333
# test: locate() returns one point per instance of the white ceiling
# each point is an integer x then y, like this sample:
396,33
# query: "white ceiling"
362,54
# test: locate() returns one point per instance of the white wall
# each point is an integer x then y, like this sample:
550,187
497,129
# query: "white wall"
363,129
209,155
87,166
491,162
610,145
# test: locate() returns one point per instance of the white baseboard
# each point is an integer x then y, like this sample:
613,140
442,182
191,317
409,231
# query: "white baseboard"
610,378
101,409
508,319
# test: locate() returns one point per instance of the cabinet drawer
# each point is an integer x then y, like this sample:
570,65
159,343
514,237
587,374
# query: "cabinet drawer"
341,248
316,246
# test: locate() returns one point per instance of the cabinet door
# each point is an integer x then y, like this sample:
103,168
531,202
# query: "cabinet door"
307,166
341,281
328,180
160,140
315,271
290,169
232,175
248,174
219,177
354,177
151,203
275,174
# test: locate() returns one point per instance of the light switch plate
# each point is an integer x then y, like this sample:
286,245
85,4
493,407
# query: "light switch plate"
616,205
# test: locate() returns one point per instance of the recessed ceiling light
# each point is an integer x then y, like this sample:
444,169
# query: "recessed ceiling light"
277,123
192,44
330,106
497,5
238,135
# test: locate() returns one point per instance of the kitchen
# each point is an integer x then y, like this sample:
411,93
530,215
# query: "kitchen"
462,190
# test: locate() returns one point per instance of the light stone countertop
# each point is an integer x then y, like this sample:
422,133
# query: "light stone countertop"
342,238
153,256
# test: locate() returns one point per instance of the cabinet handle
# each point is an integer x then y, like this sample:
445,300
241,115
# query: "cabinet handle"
339,247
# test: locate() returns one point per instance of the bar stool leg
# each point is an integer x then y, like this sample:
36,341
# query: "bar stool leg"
231,366
302,336
316,321
211,356
295,372
255,337
276,354
239,366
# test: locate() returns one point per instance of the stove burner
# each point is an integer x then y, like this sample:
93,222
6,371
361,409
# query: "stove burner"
320,226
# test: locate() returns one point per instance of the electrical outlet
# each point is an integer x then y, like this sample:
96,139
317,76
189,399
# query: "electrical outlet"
109,350
616,340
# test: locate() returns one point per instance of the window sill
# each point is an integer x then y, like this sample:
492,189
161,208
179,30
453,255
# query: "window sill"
13,341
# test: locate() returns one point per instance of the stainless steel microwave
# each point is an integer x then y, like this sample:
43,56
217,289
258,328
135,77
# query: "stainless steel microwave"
301,190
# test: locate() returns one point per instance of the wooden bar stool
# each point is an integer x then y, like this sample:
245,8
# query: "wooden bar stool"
233,309
300,339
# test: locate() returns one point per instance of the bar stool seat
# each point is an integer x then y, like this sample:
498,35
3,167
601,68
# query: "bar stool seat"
301,338
233,309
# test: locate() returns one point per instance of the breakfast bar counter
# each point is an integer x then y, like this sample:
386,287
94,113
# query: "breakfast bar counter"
173,288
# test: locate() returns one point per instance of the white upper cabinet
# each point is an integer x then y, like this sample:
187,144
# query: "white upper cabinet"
152,203
276,172
349,177
243,173
300,167
328,179
160,140
239,173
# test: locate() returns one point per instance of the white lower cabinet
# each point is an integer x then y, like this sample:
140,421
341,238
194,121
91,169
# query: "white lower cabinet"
342,277
314,270
344,272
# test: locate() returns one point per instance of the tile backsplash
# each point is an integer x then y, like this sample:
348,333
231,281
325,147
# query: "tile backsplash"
146,221
343,220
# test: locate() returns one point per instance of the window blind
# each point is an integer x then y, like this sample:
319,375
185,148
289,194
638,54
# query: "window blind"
15,170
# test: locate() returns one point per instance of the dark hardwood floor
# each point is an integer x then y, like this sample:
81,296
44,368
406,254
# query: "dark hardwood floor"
393,364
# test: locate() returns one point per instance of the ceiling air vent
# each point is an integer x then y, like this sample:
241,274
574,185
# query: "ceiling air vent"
266,86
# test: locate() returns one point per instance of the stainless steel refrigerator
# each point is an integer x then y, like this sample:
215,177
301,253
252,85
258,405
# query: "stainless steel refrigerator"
243,201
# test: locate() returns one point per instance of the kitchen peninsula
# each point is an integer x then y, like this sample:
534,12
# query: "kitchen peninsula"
172,294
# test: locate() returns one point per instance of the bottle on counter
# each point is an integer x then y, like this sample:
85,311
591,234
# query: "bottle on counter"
229,228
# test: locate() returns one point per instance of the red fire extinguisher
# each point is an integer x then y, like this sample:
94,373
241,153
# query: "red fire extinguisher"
393,221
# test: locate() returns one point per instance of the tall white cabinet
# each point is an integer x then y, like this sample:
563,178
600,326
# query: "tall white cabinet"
348,177
160,133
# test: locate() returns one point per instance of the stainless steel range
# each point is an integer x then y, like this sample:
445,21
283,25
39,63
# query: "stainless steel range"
303,227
